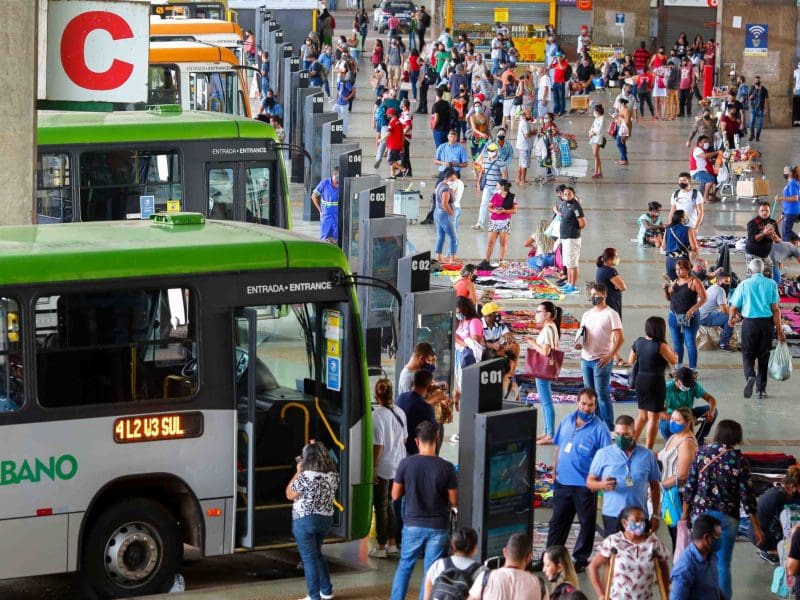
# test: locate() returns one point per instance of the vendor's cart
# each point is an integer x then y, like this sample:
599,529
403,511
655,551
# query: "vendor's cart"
562,164
740,176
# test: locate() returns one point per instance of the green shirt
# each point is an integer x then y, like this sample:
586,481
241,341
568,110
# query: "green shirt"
677,398
440,58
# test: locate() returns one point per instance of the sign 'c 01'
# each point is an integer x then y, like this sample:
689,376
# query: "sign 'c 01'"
97,50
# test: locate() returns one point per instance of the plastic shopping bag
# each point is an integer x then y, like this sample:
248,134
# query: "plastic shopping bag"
780,362
682,540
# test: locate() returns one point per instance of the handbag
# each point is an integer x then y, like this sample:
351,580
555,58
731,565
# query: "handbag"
612,129
671,508
602,141
544,367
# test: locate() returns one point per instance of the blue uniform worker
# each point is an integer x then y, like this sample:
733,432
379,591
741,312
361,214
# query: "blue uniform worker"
326,198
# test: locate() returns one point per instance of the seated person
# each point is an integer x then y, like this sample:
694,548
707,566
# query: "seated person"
683,390
770,505
651,229
700,270
701,166
714,312
493,328
782,251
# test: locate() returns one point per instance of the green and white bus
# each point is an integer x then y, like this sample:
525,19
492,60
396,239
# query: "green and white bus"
157,380
124,165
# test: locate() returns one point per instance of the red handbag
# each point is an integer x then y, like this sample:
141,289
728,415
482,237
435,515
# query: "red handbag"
544,367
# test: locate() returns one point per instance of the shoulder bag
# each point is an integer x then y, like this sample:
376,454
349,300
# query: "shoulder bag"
612,129
544,367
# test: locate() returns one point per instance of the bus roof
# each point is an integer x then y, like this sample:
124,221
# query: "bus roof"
81,128
159,26
31,254
190,52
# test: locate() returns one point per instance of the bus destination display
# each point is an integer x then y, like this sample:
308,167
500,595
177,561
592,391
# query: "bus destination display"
152,428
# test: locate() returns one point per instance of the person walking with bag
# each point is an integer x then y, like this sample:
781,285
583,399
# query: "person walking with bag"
443,216
650,356
312,491
678,242
624,121
548,319
686,295
597,140
388,442
719,484
502,205
676,457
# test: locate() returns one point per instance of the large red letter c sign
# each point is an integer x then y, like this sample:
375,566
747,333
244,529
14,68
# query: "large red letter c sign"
73,50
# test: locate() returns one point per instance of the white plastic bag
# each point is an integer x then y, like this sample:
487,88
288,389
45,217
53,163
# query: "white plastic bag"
780,362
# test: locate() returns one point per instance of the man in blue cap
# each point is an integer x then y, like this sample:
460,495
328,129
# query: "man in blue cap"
326,198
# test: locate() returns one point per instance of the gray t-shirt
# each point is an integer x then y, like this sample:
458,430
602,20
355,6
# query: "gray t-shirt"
783,250
405,383
393,56
715,297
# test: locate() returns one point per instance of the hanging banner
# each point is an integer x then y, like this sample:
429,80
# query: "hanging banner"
756,38
501,15
530,49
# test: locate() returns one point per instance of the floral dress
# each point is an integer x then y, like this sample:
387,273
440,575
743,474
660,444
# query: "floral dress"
634,566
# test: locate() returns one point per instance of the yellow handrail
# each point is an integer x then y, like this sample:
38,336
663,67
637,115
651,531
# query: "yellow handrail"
328,425
306,416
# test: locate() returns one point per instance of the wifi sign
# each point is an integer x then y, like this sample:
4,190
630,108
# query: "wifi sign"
756,39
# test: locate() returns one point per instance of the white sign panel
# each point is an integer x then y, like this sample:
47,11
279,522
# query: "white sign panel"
692,3
97,51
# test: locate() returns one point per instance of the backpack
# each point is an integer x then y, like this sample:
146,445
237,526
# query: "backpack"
694,195
453,583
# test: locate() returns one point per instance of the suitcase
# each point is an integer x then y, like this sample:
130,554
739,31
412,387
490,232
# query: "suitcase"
406,203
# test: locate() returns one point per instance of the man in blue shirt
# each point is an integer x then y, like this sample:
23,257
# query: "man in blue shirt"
326,198
694,574
345,93
625,472
451,154
416,408
755,302
578,438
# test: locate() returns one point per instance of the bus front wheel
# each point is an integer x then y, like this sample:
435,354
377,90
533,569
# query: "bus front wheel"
132,549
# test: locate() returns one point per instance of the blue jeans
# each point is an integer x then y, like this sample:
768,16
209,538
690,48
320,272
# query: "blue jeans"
685,337
623,148
439,137
444,228
700,433
434,541
756,120
559,99
414,76
546,402
787,228
725,554
309,532
599,379
719,319
456,219
495,66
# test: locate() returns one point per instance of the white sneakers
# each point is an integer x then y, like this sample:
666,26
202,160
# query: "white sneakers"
384,552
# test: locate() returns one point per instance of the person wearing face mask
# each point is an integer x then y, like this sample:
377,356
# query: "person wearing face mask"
651,356
729,126
682,391
719,484
770,505
559,570
326,198
502,206
580,435
701,167
759,104
679,240
494,330
761,235
422,359
790,205
479,126
714,313
638,554
686,295
493,169
596,139
688,200
465,284
704,126
695,574
625,472
270,106
548,321
676,458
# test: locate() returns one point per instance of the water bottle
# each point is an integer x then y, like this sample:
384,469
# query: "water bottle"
179,585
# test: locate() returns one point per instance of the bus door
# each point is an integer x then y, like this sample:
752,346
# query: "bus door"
287,394
241,191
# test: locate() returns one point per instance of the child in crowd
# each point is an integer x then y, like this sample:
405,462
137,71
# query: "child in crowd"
651,229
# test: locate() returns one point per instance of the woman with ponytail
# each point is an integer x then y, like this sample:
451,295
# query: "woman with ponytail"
548,318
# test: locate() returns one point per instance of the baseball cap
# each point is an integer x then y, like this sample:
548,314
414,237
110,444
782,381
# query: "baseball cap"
480,97
492,147
391,111
489,308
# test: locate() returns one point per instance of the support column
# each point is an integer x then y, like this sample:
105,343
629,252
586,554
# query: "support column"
18,71
777,65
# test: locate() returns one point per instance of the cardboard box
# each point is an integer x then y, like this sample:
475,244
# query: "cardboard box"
752,188
579,102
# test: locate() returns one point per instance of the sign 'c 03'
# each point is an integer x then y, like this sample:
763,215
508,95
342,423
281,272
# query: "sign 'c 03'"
55,468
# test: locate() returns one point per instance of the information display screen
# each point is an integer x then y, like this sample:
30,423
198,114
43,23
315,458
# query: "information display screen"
384,253
509,492
437,330
152,428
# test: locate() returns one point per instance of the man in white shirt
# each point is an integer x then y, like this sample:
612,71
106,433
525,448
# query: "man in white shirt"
544,92
627,94
689,200
714,312
497,52
525,134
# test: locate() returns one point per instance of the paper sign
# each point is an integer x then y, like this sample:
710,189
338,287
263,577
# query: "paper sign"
332,326
333,348
333,375
147,206
737,22
173,206
501,15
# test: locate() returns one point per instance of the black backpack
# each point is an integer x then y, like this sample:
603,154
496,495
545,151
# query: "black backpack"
453,583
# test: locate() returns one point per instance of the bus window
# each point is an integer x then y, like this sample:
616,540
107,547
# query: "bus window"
115,346
220,194
12,389
163,85
214,91
113,182
258,195
53,188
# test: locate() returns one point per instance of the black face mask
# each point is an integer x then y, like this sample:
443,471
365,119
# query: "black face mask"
683,185
501,137
786,176
725,286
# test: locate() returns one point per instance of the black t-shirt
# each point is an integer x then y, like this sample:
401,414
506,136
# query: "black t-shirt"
570,213
604,275
442,108
762,247
417,411
757,97
770,505
426,480
794,552
648,357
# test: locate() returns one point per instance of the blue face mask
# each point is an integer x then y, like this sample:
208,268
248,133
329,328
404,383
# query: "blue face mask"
716,545
586,417
635,527
459,316
429,368
676,427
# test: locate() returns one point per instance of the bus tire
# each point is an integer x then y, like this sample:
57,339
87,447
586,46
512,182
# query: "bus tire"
132,549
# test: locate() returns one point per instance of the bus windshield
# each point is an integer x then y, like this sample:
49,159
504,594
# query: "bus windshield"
215,90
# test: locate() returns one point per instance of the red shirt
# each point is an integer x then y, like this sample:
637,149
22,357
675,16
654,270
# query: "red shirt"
659,60
395,139
560,70
640,58
646,81
413,63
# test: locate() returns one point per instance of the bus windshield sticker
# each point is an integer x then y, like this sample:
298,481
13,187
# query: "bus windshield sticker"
173,206
332,322
147,206
332,375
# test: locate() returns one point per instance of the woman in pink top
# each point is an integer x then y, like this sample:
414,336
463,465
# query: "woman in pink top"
501,206
469,339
